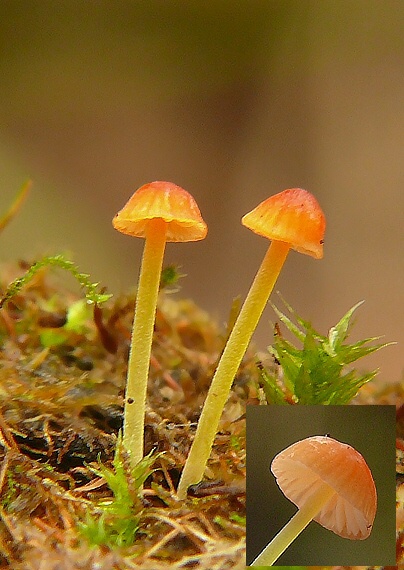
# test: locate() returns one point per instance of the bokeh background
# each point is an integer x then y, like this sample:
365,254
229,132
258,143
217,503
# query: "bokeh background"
234,101
371,430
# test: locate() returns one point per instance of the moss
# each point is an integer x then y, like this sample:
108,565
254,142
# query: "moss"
61,407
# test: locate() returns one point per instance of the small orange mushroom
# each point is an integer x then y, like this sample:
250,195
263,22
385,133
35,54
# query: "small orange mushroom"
160,212
331,483
292,219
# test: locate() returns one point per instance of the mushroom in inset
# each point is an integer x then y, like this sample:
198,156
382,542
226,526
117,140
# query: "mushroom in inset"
291,219
160,212
331,483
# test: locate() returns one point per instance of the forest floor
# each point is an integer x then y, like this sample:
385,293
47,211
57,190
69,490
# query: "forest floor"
62,380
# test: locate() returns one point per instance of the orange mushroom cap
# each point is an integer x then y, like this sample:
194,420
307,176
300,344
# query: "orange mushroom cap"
301,467
168,202
293,216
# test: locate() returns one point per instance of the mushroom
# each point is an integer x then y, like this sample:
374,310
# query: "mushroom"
331,483
292,219
160,212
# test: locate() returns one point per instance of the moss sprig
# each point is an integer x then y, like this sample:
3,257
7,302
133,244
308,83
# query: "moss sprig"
91,289
115,521
317,372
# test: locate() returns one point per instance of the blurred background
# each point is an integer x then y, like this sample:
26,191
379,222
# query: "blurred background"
234,102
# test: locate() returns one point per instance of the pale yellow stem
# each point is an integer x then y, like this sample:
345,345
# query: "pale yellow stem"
142,336
229,363
294,527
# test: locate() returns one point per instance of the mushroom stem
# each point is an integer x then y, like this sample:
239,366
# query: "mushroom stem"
229,363
142,336
294,527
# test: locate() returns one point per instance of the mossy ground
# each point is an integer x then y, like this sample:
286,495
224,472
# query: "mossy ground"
61,406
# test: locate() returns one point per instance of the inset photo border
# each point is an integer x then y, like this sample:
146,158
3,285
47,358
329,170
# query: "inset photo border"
371,430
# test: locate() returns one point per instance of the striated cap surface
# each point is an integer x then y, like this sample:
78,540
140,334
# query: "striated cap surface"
302,466
165,201
293,216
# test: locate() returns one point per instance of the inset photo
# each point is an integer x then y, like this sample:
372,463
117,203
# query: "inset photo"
321,488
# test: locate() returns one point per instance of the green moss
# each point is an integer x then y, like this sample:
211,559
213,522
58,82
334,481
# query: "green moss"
92,295
320,371
114,522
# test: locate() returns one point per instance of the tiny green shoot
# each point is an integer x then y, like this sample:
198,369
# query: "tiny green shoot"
114,522
170,277
239,519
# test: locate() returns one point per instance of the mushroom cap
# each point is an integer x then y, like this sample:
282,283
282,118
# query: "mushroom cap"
301,467
293,216
165,201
